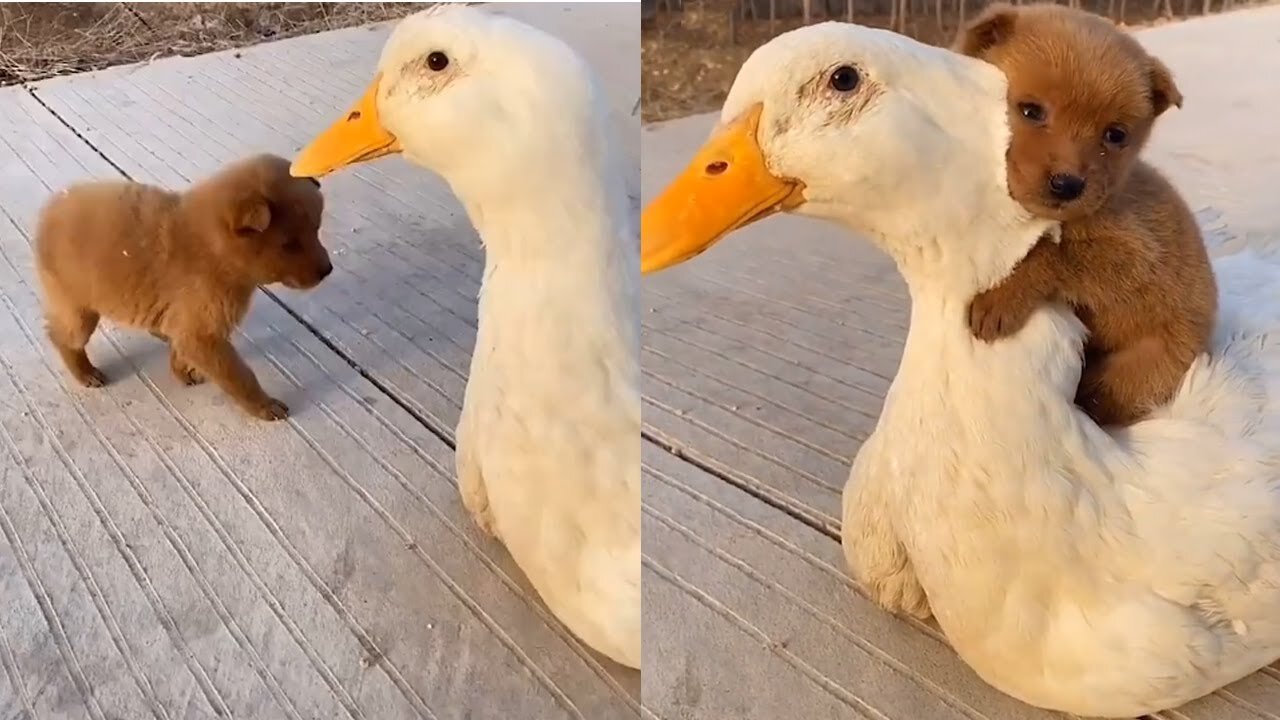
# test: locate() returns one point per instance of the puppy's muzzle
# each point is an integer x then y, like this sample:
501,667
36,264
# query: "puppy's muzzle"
1066,187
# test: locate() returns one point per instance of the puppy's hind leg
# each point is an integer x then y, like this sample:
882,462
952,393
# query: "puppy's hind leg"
216,359
69,330
1123,387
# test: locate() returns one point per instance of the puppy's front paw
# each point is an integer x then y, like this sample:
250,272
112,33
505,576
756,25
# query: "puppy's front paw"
91,377
183,370
271,410
188,376
994,315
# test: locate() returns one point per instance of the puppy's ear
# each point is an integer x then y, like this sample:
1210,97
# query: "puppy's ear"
991,28
1164,93
253,215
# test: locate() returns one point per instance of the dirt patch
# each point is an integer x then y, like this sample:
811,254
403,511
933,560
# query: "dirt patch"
40,40
692,49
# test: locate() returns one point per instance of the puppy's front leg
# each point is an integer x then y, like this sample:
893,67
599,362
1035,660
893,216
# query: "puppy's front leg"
877,559
183,370
1004,309
216,359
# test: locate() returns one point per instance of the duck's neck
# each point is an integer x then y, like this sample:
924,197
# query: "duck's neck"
561,274
1002,491
983,443
998,390
974,428
1004,403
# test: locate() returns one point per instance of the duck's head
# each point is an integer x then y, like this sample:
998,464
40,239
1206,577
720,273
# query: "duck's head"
898,140
473,96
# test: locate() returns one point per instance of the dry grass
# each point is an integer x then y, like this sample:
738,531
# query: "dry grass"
40,40
687,61
689,57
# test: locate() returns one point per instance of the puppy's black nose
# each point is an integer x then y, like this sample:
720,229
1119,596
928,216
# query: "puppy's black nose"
326,270
1066,187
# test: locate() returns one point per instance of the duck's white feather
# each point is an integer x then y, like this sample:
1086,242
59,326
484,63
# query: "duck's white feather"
551,420
548,455
1110,574
1099,574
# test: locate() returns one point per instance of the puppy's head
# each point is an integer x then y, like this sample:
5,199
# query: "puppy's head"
269,222
1083,96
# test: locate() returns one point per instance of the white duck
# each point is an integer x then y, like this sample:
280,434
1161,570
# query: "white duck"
548,455
1100,574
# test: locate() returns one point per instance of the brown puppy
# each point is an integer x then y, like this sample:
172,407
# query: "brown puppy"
183,266
1083,96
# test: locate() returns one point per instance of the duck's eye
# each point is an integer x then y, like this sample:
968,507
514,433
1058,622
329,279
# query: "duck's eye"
1115,135
844,79
1032,111
437,61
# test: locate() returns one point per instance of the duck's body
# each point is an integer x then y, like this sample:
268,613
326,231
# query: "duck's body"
549,441
1094,573
1109,576
548,454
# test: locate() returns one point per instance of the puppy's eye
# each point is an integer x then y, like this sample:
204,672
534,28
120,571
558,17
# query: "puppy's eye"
844,79
437,61
1032,111
1115,135
292,245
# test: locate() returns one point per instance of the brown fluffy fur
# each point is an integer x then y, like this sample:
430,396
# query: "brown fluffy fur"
183,266
1131,260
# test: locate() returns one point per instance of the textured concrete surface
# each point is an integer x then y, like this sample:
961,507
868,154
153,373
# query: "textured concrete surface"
163,556
766,362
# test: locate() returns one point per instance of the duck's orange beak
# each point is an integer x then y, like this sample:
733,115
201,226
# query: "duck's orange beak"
356,138
726,187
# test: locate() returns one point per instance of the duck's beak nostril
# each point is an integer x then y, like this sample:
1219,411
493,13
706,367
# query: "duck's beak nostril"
726,186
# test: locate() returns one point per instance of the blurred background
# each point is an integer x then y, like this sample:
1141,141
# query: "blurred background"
40,40
691,49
